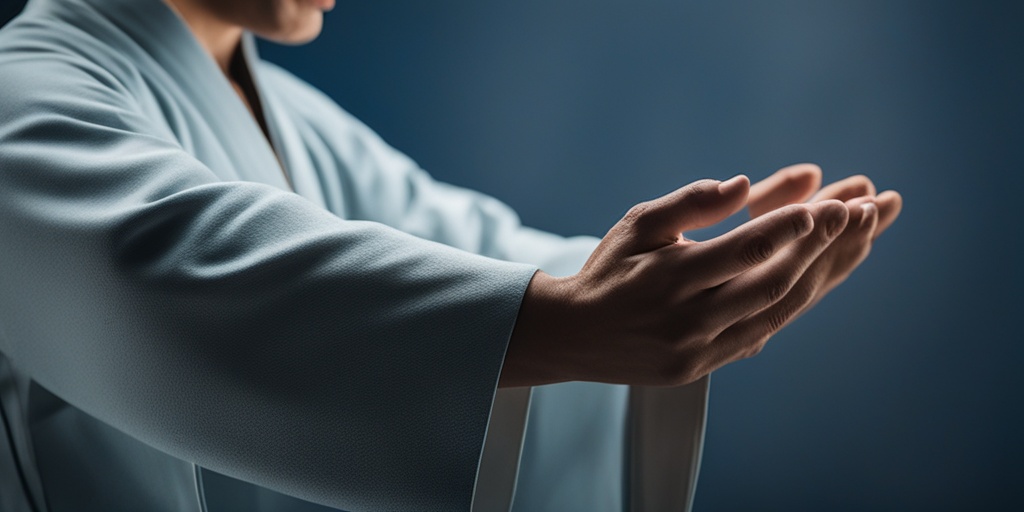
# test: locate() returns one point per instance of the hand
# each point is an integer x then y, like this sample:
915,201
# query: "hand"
870,216
650,307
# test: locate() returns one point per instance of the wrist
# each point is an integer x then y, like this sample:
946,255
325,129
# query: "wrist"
539,350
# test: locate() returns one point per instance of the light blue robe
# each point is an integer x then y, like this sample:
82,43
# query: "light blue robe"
186,325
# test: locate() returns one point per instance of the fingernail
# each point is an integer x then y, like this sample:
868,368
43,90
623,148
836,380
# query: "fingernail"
731,185
868,211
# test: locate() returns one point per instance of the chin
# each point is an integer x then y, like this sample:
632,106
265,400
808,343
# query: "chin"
294,21
300,33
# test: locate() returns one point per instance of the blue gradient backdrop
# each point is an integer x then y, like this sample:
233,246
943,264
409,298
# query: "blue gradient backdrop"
903,390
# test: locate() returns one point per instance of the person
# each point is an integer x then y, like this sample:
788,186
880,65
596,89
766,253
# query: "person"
220,291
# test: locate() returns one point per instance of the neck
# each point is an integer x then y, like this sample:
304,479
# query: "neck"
220,38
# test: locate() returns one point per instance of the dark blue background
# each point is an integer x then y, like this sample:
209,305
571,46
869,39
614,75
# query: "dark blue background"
903,390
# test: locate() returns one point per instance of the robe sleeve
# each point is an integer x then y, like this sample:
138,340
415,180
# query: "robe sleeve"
376,182
233,324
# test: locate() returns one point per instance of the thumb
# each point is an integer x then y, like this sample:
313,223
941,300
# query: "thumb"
700,204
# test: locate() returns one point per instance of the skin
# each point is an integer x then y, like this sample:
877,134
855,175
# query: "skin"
649,307
653,308
219,24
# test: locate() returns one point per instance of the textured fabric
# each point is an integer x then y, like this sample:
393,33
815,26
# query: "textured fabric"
169,297
562,462
157,277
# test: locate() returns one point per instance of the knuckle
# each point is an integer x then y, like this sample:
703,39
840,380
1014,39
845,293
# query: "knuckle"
638,213
835,220
804,294
832,227
777,320
776,290
701,186
758,249
699,189
802,224
796,298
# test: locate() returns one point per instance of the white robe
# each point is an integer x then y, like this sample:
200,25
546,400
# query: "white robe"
173,309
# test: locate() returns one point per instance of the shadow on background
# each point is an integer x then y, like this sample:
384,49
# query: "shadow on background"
901,391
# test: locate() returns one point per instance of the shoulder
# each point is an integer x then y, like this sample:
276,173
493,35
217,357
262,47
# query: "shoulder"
50,60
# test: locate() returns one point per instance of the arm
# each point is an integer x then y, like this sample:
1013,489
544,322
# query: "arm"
365,178
232,324
643,286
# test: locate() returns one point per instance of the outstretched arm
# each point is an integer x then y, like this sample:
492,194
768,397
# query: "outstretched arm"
366,179
558,315
232,324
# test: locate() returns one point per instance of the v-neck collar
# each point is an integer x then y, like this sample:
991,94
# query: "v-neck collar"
250,58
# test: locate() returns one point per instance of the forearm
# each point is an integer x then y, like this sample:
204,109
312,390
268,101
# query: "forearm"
289,360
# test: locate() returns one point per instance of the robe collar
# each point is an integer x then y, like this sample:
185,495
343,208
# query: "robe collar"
161,33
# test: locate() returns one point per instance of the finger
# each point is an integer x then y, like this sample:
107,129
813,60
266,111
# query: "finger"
747,337
659,222
851,247
768,283
723,258
889,203
863,218
867,229
789,185
846,189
